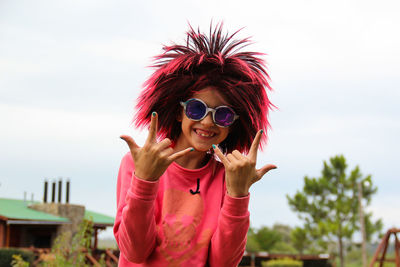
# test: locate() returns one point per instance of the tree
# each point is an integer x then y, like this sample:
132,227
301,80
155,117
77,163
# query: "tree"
284,230
252,244
299,239
276,239
267,238
328,205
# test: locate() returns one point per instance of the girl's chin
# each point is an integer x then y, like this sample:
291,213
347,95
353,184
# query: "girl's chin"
202,148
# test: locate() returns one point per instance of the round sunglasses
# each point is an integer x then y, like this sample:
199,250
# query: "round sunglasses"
196,110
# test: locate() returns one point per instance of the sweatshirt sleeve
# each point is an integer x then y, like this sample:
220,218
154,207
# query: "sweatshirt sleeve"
135,227
229,240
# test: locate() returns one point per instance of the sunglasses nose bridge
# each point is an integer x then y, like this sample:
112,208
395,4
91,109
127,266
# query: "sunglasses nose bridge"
208,118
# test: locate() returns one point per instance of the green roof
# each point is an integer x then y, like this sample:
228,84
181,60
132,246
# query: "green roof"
14,209
19,210
99,218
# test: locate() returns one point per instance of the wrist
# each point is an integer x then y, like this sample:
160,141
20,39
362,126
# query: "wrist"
238,194
145,177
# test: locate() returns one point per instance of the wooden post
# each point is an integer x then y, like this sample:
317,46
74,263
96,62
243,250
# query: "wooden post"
362,223
95,238
253,259
7,236
397,249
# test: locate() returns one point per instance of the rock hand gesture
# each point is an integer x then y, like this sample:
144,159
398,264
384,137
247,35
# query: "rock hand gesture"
153,158
240,170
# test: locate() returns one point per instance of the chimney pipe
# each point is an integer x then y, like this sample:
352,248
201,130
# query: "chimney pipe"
53,192
45,191
59,190
67,195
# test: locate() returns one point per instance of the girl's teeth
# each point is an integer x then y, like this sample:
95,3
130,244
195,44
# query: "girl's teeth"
204,134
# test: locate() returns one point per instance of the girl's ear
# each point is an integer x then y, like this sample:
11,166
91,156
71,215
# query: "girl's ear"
179,117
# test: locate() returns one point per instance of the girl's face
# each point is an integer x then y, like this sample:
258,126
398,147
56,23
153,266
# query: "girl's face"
201,135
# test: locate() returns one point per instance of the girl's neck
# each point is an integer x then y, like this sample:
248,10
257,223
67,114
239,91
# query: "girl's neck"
193,160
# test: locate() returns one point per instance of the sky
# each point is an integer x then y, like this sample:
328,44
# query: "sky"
70,73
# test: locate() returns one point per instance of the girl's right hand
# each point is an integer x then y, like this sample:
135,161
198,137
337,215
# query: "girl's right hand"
153,158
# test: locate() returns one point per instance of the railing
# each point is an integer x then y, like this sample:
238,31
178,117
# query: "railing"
92,257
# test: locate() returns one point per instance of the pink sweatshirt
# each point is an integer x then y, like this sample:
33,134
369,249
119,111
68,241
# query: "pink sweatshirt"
183,219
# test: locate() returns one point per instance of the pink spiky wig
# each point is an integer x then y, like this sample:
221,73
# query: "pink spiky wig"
214,61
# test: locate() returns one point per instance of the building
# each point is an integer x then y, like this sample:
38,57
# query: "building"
26,224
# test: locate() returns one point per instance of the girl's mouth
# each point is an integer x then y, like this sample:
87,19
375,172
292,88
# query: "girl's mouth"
204,133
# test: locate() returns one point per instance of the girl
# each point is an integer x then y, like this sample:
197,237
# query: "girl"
178,205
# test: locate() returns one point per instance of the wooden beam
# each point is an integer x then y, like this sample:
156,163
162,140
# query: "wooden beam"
95,238
111,255
383,245
396,249
7,236
92,260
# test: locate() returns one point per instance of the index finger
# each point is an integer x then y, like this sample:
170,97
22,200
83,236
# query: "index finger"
181,153
153,128
255,144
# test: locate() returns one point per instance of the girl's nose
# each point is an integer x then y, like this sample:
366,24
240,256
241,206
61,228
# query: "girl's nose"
208,121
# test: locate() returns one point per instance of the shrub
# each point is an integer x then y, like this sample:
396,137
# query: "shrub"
282,263
70,250
6,256
18,261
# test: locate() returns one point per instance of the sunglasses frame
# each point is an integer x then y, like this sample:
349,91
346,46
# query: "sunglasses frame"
208,109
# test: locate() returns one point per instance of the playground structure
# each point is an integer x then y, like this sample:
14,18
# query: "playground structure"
380,253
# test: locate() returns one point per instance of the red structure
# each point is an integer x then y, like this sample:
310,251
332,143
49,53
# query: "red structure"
380,252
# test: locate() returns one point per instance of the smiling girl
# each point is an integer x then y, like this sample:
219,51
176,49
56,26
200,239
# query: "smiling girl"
177,205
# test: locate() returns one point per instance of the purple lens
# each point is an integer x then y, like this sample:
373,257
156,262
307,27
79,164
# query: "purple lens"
224,116
195,110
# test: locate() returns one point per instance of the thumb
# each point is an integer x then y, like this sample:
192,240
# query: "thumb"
264,170
131,143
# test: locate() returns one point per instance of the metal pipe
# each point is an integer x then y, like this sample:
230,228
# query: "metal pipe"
45,191
53,192
59,190
67,195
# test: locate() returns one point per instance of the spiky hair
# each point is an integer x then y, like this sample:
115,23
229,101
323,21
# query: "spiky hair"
215,61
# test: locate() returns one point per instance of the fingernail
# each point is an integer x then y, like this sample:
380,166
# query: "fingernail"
153,114
262,131
192,149
213,146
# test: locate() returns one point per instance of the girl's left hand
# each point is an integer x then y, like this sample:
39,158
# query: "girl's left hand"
240,170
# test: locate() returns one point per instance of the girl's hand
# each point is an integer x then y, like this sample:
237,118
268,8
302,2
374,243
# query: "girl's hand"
240,170
153,158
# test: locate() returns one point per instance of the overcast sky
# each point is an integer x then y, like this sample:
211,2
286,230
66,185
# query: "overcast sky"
70,72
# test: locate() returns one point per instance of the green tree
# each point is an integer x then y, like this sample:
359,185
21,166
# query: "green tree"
252,244
284,230
267,238
328,205
285,244
299,239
